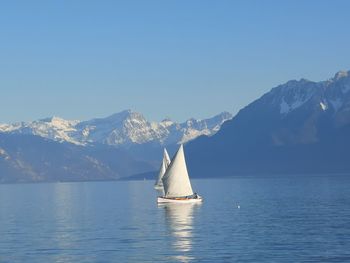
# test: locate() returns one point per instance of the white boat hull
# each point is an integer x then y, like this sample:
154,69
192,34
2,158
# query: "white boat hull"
162,199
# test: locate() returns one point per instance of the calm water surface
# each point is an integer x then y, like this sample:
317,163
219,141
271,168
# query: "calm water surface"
280,219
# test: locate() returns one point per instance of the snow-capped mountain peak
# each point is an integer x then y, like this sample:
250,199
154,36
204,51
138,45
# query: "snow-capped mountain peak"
341,74
121,129
324,95
292,95
58,122
53,128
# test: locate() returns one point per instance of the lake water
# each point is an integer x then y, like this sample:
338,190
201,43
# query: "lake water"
280,219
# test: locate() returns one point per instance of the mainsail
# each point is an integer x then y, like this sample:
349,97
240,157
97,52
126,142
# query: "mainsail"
163,167
175,180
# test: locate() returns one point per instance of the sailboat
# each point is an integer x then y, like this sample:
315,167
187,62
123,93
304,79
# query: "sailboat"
163,167
176,182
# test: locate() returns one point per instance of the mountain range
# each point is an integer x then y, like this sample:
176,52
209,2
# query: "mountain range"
123,144
122,129
300,127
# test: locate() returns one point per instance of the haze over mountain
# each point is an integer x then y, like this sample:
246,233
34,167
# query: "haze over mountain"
29,158
298,127
123,144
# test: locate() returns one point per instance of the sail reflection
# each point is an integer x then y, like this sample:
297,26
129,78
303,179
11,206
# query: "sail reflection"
179,218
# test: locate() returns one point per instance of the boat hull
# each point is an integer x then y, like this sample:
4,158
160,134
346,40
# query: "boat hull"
162,199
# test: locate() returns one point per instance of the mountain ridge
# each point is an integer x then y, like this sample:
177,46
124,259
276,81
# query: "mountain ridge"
300,126
297,127
120,129
112,148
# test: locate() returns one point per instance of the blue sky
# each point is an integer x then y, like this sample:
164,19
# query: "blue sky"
177,59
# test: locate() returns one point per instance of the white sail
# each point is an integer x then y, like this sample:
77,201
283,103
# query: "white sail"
175,180
163,167
166,157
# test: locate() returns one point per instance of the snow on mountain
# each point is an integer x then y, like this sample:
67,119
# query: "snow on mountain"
292,95
53,128
193,128
128,127
341,74
300,127
4,154
328,95
121,129
324,106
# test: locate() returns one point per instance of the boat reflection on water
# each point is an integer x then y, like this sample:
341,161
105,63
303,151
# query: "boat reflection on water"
179,219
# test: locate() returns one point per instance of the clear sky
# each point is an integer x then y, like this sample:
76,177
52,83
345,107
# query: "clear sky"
177,59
